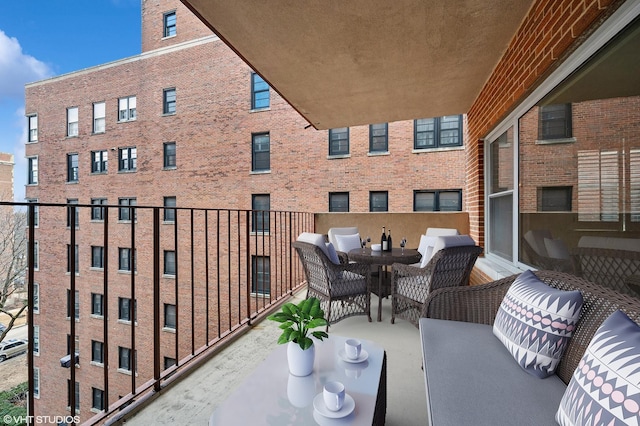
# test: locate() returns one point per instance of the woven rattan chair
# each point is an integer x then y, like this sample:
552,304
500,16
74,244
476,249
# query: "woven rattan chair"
411,285
343,289
616,269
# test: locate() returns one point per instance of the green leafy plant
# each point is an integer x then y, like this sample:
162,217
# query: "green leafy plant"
298,320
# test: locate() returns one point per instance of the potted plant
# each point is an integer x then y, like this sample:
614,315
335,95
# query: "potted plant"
297,321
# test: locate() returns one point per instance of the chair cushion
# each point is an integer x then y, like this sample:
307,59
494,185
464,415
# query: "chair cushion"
605,388
441,232
535,323
331,234
347,282
333,256
535,238
444,242
426,242
346,243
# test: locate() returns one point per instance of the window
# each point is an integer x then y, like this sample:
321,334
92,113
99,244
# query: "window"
339,141
73,259
72,167
169,149
32,165
36,298
124,309
169,101
73,305
99,161
97,307
260,275
33,128
338,201
500,188
125,260
127,159
260,152
97,257
126,213
378,137
169,262
73,212
437,132
98,213
36,212
36,382
36,339
438,200
554,199
97,351
127,108
554,122
97,399
169,316
72,121
169,25
169,214
76,394
124,359
378,201
259,92
169,362
99,115
260,204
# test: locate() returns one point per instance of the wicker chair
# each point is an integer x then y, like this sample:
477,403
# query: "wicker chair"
544,262
343,289
616,269
411,285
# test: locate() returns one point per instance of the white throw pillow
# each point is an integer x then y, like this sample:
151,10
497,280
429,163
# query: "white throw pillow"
556,249
346,243
444,242
316,240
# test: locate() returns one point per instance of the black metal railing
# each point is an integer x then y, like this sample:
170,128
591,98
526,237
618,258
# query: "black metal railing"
150,293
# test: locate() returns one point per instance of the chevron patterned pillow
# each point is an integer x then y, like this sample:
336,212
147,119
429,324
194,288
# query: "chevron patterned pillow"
535,323
605,388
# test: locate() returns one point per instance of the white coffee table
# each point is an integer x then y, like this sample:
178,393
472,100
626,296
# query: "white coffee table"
271,396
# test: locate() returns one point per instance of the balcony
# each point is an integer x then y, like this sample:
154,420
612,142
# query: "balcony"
157,299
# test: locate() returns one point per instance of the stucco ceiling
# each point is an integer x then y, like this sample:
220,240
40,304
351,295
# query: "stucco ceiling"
352,62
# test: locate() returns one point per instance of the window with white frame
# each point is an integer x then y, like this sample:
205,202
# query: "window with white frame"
36,298
72,121
99,117
32,170
127,108
33,128
36,382
36,339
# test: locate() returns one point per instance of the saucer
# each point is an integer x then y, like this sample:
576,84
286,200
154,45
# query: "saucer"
347,408
363,357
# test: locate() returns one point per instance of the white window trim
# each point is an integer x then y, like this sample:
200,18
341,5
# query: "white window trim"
625,14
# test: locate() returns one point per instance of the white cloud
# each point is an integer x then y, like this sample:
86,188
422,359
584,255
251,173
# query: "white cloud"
17,68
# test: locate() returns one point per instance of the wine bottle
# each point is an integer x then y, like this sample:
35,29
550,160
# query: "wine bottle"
389,245
383,240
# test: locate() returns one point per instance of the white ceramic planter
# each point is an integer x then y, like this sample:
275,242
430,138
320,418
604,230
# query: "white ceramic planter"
300,361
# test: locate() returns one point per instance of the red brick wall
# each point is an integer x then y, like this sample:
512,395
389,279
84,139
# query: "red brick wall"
6,176
549,31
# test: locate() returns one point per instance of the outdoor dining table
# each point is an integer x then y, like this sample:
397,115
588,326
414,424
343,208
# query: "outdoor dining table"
382,259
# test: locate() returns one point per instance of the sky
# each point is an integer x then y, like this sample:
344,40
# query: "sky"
40,39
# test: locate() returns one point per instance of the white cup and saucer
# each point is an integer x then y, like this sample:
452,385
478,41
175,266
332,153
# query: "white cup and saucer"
353,352
334,402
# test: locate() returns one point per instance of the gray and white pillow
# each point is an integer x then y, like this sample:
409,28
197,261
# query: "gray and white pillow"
535,323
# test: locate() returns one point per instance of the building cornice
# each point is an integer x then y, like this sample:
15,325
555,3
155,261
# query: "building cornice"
141,57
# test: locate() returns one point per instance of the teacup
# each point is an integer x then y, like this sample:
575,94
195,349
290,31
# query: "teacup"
352,348
333,394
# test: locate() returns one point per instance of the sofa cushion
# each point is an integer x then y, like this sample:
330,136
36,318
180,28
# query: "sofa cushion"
472,380
535,323
605,388
346,243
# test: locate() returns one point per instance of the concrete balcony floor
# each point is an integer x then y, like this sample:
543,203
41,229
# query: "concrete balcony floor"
193,399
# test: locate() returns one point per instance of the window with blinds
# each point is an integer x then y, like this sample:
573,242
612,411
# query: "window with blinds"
598,186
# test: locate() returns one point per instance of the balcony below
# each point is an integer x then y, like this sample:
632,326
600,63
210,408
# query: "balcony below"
195,397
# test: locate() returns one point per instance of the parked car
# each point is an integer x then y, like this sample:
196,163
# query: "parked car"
12,348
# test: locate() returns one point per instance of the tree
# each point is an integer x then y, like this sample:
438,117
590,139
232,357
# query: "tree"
13,264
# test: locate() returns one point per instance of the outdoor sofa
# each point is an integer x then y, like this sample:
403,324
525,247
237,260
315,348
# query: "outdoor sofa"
472,379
